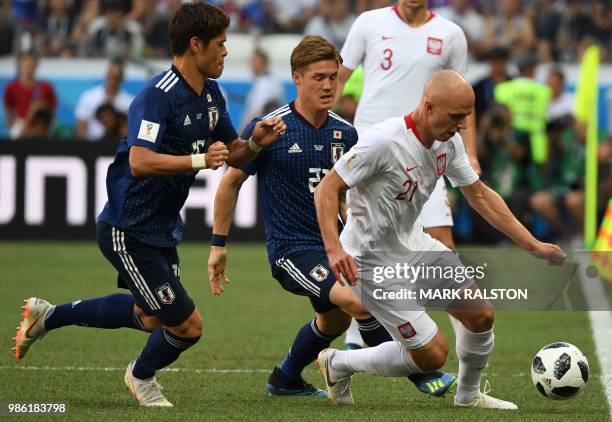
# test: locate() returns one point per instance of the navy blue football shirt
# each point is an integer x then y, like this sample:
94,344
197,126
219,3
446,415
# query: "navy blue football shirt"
288,172
168,117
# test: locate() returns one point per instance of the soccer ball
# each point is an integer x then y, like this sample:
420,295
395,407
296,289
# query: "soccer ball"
559,371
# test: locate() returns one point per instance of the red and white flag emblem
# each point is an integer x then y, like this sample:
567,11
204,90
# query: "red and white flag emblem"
434,46
441,164
406,330
337,134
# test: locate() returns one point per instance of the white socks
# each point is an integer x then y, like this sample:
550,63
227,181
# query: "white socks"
390,359
473,351
353,335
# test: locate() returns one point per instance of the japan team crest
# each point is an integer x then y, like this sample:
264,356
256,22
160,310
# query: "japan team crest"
319,273
213,117
166,294
337,151
406,330
434,46
441,164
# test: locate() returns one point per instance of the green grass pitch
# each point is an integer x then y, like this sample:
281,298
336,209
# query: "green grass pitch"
248,330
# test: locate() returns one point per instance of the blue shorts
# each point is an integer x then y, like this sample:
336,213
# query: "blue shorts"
151,274
307,274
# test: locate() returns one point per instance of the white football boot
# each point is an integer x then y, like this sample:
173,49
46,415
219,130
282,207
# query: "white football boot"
338,388
484,401
32,327
147,392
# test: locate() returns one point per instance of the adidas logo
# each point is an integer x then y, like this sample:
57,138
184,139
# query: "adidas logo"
187,120
294,148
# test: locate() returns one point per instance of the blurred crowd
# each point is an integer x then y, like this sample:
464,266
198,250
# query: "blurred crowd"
531,148
556,29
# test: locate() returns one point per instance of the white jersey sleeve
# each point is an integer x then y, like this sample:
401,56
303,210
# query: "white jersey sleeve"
367,158
458,53
458,170
354,48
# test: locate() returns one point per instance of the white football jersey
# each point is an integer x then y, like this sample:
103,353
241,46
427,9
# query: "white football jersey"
398,59
391,174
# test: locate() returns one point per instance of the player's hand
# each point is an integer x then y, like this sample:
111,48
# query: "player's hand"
216,269
549,252
216,155
344,267
268,131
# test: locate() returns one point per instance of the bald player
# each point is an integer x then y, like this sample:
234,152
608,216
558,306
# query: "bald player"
390,173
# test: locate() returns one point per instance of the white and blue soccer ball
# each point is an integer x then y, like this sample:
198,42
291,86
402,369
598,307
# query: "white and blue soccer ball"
559,371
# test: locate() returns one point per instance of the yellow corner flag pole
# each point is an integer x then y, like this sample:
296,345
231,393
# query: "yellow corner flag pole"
587,113
602,249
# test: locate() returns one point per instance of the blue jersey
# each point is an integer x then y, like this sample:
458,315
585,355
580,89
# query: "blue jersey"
288,172
168,117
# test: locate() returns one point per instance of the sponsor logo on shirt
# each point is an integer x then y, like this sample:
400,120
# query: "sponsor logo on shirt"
295,148
187,121
434,46
148,131
318,147
198,116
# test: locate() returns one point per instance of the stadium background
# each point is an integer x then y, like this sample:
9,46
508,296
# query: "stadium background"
52,188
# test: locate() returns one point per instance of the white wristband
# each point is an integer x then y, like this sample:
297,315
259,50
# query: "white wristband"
198,161
254,147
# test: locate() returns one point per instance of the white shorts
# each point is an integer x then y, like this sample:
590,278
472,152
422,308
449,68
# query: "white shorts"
436,211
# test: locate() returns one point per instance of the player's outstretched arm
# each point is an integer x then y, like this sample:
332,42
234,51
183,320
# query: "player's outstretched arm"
493,209
225,205
146,162
265,133
327,204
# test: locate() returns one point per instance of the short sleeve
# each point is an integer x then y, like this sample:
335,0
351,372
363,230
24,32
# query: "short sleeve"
458,169
224,130
354,47
367,158
458,56
252,166
148,118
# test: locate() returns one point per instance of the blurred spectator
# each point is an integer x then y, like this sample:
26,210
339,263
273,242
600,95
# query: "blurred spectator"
113,34
528,103
575,26
88,126
333,21
23,95
547,21
156,27
601,30
473,24
265,89
562,102
38,125
365,5
289,16
484,89
504,159
7,29
59,25
511,27
110,121
562,201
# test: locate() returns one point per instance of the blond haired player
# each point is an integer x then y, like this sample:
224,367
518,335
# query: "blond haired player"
391,172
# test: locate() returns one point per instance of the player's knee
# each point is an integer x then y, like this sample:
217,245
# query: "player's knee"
355,309
190,328
433,358
149,323
481,321
334,322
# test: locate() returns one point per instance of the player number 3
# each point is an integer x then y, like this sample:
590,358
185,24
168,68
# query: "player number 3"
387,63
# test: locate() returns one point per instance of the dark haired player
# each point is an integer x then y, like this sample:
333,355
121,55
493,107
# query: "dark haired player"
177,126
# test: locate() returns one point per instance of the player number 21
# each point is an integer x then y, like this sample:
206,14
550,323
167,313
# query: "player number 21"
411,188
